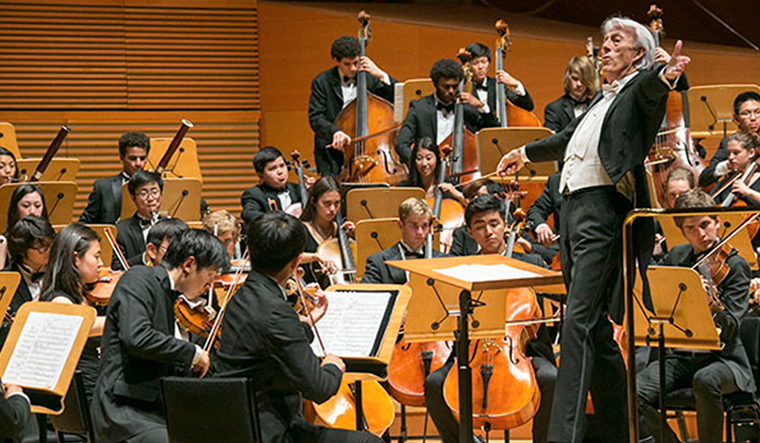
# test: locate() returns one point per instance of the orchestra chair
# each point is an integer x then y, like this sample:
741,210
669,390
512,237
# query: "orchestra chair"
76,418
228,411
8,138
741,408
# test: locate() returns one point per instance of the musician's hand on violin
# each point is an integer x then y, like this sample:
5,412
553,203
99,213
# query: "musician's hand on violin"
544,234
677,63
350,229
201,366
510,163
506,79
367,65
469,99
661,56
331,359
339,140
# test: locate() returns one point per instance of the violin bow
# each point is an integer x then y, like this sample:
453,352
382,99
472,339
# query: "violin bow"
308,312
220,315
115,246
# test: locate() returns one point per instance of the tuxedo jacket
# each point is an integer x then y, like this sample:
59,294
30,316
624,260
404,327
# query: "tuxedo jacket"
462,243
422,121
138,348
521,101
104,202
376,271
255,200
265,341
14,414
130,239
325,103
733,292
559,113
707,176
548,203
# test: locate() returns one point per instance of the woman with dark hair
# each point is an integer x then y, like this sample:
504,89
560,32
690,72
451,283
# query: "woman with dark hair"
8,169
26,200
424,167
74,265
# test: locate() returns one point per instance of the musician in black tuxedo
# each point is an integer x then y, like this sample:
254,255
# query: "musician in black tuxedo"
580,85
712,374
331,91
415,218
159,238
548,203
603,179
145,189
14,413
139,346
273,192
265,340
104,202
484,87
433,116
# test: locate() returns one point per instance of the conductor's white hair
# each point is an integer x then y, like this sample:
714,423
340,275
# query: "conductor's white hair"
642,38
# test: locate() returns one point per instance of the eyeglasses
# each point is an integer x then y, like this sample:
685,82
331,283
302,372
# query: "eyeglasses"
750,113
42,248
144,193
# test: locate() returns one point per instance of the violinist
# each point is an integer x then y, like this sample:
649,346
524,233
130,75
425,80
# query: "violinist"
580,85
265,340
484,87
8,169
331,91
485,222
319,219
711,374
424,169
273,192
225,226
414,220
433,116
104,202
159,238
140,344
74,266
145,189
747,117
742,150
29,244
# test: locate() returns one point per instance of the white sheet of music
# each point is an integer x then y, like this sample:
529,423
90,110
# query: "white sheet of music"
42,349
352,322
481,273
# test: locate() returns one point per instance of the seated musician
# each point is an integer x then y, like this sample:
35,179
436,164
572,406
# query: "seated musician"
678,181
462,243
145,189
331,91
139,344
433,116
273,192
157,242
414,220
485,222
580,85
711,374
319,219
742,150
72,269
747,117
424,167
104,202
26,200
548,203
226,227
29,248
265,339
8,169
484,87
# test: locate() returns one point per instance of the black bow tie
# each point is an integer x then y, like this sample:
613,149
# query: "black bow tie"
348,80
445,107
480,86
37,275
412,254
144,222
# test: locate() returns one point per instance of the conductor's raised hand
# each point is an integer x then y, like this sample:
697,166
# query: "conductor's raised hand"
677,63
510,163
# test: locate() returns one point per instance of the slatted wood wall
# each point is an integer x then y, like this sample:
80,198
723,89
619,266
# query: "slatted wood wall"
106,66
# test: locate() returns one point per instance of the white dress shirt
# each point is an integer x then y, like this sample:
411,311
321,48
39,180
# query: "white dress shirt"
348,88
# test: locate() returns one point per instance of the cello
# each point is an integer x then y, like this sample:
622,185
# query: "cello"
370,157
509,114
448,213
340,250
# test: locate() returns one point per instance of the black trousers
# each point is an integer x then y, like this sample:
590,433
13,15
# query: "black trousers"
710,379
446,423
591,253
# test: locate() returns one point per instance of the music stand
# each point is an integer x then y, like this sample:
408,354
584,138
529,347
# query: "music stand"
404,93
181,198
681,319
487,283
183,164
711,108
9,282
494,143
362,204
59,169
59,201
8,138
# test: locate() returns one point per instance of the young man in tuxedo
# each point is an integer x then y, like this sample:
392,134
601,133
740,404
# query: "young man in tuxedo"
139,344
159,238
265,340
433,116
602,180
414,220
104,202
484,87
711,374
580,85
331,91
273,192
145,189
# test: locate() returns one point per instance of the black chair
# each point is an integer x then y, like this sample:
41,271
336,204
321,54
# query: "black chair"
742,408
76,418
214,409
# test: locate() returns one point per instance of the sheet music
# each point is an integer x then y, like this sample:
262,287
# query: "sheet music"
42,350
352,322
398,103
481,273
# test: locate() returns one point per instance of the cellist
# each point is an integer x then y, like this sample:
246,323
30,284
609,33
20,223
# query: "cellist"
331,91
433,116
484,87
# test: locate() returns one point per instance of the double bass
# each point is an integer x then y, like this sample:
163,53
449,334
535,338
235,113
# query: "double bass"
370,157
509,114
464,148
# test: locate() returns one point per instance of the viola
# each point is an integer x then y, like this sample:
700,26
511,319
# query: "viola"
100,293
197,320
509,114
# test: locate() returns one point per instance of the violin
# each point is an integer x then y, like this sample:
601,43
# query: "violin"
100,293
449,213
714,269
509,114
198,319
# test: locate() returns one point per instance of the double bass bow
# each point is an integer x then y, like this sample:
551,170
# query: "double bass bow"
508,113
